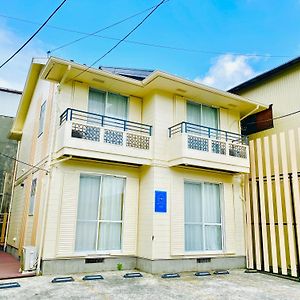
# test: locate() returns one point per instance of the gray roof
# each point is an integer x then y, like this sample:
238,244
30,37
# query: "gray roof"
138,74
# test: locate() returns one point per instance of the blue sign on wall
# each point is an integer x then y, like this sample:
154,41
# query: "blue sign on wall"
160,201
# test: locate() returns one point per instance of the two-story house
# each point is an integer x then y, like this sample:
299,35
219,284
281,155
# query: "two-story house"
131,166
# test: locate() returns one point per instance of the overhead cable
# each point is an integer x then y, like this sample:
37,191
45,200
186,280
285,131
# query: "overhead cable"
32,36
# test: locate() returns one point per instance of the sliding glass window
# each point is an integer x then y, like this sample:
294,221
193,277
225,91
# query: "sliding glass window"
108,104
202,216
100,213
204,115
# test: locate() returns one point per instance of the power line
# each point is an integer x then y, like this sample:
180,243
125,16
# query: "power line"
102,29
24,163
119,42
208,52
39,29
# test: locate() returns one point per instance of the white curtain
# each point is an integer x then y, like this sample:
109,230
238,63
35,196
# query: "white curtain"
87,215
209,117
194,113
212,216
193,217
96,102
111,213
116,106
202,214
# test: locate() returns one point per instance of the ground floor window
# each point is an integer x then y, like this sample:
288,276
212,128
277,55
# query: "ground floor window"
202,216
100,213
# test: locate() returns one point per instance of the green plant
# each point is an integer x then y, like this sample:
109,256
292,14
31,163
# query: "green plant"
119,266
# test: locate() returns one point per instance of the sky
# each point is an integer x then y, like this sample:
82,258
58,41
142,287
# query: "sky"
220,43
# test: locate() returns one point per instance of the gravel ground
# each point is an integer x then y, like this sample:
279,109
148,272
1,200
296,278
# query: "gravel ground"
236,285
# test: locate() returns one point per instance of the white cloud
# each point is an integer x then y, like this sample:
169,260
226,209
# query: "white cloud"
13,74
228,71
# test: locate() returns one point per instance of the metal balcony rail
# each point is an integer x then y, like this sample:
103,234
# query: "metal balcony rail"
208,132
104,121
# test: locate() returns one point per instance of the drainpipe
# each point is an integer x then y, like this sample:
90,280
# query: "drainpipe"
11,196
49,176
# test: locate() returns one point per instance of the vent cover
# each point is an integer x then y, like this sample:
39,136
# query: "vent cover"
203,260
95,260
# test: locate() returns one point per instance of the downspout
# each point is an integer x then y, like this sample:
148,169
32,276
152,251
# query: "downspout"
47,189
11,196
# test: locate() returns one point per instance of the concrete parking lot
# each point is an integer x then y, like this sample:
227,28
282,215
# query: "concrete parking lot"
236,285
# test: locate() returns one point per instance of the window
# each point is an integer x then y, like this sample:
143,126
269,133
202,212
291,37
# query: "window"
42,118
202,216
202,115
32,197
100,213
108,104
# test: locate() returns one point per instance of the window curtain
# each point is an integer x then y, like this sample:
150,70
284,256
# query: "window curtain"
209,117
212,216
203,115
194,113
111,213
116,106
96,102
87,215
193,217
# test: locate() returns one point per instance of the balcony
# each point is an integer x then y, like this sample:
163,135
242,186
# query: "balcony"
101,137
205,147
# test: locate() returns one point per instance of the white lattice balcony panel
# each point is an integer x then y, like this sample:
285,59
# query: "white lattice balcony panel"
205,147
105,139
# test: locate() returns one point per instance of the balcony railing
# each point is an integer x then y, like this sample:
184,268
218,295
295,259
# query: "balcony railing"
109,130
213,140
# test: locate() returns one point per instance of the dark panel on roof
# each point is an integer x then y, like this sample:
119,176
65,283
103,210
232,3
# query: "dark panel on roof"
258,122
137,74
252,82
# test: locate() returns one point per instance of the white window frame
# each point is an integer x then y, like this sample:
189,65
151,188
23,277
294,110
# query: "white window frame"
106,97
42,118
201,105
222,224
108,252
32,197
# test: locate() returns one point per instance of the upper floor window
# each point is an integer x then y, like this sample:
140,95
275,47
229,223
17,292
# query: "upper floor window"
202,115
108,104
42,118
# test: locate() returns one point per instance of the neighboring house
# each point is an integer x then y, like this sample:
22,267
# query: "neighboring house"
274,200
9,101
8,148
131,166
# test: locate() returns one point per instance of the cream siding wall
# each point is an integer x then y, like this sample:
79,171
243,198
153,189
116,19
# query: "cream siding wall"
231,206
18,204
30,130
283,92
62,209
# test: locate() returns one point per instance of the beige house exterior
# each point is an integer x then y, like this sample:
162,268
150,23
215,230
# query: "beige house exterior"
135,167
272,193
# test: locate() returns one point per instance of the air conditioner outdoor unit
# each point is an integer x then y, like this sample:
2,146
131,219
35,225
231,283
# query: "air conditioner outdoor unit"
29,258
